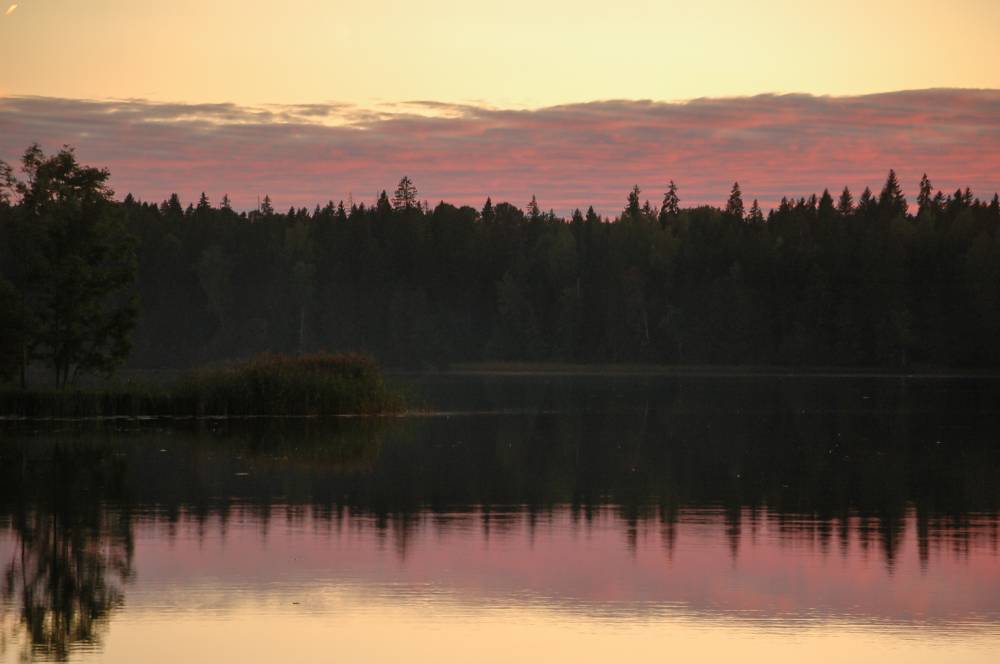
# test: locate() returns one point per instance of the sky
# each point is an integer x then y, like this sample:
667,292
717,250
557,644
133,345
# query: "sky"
310,98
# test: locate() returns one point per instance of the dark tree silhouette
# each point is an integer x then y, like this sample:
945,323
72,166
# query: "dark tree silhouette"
74,267
671,205
869,285
405,197
734,206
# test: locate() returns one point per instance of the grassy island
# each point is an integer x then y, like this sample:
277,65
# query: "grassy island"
267,385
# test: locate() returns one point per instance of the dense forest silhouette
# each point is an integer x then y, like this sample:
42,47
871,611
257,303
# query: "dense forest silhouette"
823,281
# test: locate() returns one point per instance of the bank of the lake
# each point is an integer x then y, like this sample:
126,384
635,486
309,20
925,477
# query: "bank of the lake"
709,370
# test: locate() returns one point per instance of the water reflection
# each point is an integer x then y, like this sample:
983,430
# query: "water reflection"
651,504
67,562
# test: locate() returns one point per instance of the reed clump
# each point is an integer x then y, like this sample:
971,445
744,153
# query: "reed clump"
315,384
268,385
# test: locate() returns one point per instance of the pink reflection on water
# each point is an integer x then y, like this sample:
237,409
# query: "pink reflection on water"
750,565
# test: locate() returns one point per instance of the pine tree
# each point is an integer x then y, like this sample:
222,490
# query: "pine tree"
203,204
172,207
867,202
756,216
734,206
592,216
845,206
891,201
632,208
488,214
577,216
647,210
534,212
226,203
405,197
266,208
383,208
826,209
924,198
671,205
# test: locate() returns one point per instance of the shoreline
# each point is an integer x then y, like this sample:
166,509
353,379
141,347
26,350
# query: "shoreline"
558,369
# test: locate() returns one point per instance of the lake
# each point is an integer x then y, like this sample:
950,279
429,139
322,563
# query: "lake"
520,518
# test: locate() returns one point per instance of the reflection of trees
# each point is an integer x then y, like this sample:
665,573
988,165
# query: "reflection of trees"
66,579
72,553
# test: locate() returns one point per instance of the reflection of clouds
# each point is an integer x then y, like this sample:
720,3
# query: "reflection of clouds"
785,569
572,155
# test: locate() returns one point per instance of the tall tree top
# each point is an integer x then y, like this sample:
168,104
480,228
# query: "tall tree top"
845,205
734,206
633,207
891,201
534,212
670,207
405,197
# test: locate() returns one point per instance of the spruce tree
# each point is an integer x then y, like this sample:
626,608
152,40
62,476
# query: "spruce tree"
734,206
405,197
534,212
826,209
925,197
891,201
632,207
488,214
845,205
671,205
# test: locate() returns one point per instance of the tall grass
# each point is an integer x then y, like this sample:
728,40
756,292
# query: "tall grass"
265,385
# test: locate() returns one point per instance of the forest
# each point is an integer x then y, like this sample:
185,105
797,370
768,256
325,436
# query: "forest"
825,280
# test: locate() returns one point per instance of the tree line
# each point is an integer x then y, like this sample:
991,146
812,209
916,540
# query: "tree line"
865,280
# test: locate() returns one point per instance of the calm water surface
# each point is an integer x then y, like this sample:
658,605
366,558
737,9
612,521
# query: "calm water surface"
520,518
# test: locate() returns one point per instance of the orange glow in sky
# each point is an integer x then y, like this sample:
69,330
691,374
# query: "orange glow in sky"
520,53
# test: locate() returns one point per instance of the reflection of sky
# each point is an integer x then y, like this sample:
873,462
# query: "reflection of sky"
297,587
576,566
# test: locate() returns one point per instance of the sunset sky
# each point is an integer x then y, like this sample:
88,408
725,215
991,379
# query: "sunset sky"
310,99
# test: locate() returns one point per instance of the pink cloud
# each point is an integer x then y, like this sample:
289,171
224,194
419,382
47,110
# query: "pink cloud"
569,156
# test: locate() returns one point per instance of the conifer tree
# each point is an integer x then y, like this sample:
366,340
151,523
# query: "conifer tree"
671,205
534,212
867,202
203,204
925,197
845,205
891,201
172,207
734,206
632,208
383,208
488,214
405,197
826,209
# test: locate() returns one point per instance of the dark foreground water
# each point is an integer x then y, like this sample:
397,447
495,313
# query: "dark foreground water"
521,519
